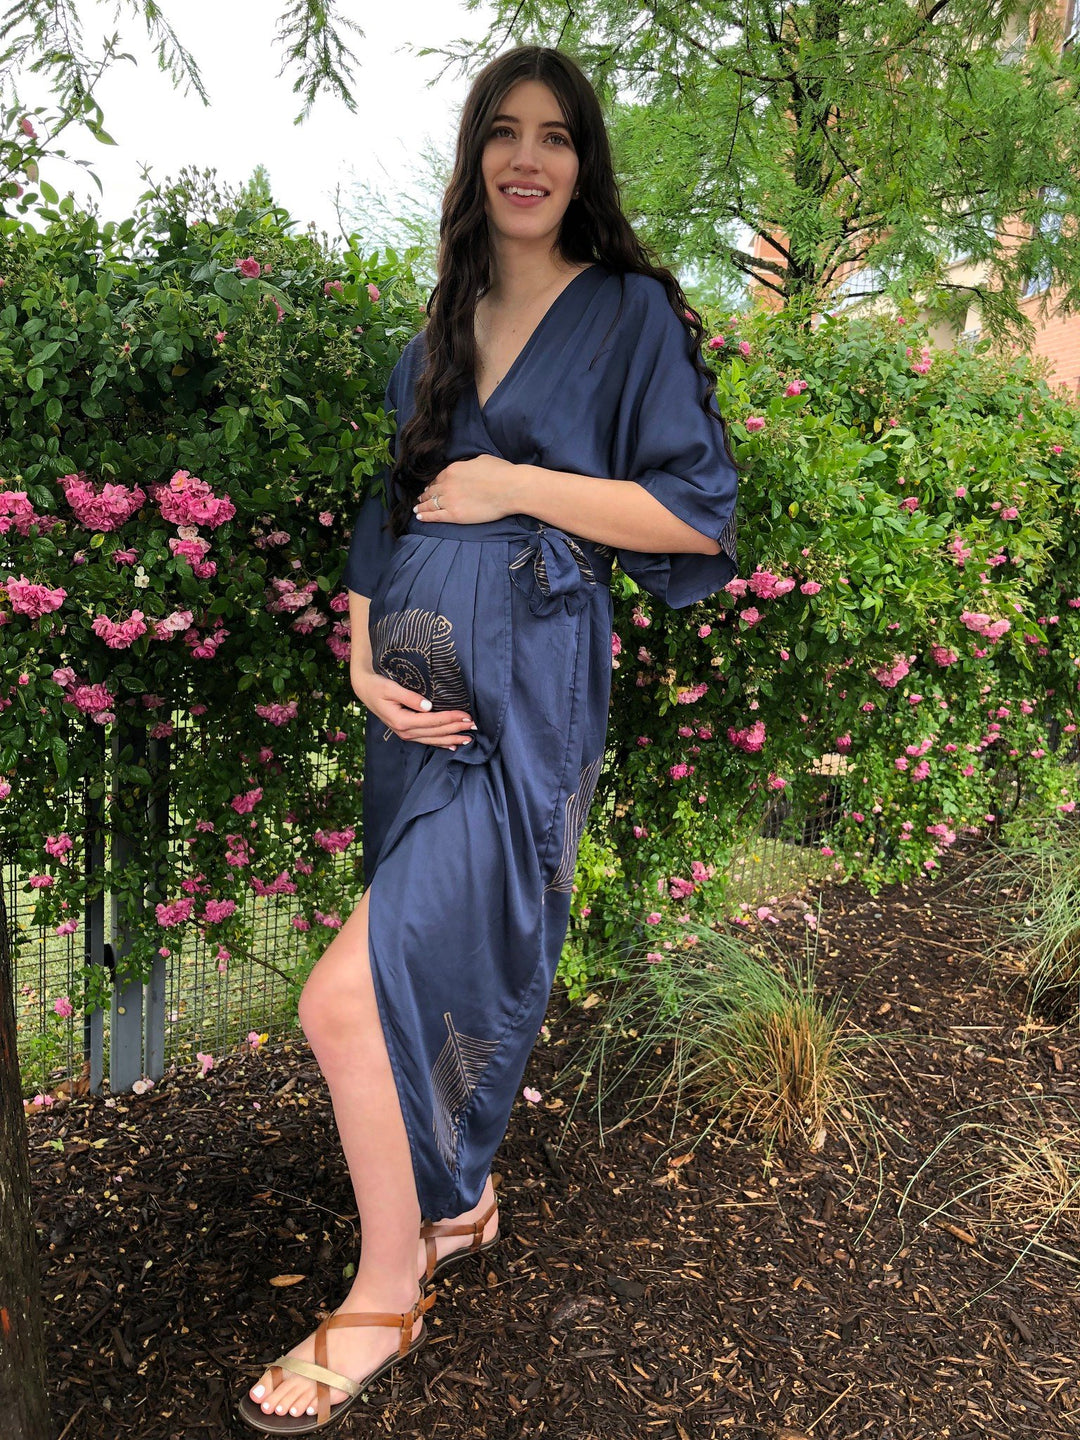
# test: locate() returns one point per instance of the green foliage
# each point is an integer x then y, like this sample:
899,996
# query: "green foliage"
1040,917
884,137
916,494
140,356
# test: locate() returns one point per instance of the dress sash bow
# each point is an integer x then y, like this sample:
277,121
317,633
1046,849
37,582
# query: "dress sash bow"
554,572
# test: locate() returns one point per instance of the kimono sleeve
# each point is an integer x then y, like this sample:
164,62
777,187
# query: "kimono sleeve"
372,541
667,443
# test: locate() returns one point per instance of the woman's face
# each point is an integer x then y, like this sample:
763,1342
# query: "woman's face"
528,148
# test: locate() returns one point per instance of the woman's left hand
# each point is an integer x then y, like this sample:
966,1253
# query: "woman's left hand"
471,492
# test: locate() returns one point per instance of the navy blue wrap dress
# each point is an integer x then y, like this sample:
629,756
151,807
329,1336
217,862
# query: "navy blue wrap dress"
469,856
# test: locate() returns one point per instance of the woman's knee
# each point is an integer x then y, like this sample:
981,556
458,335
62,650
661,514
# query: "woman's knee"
335,1003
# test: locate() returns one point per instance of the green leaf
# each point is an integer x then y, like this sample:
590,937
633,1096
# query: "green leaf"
35,378
104,283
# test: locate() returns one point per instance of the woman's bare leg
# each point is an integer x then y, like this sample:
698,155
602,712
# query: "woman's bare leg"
340,1018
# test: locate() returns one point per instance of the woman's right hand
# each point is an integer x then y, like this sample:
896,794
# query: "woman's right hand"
407,714
410,715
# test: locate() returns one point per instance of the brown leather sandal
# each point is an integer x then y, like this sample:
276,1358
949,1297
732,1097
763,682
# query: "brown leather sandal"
274,1424
438,1229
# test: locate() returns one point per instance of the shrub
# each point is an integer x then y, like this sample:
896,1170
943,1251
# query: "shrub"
189,413
909,601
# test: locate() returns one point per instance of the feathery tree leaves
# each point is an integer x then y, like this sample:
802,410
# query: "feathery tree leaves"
891,137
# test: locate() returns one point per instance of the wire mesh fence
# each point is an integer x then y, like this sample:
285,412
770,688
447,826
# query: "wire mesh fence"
213,1003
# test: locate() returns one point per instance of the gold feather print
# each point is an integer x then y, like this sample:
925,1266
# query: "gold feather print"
454,1077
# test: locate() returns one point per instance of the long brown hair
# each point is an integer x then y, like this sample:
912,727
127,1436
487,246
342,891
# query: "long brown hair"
593,229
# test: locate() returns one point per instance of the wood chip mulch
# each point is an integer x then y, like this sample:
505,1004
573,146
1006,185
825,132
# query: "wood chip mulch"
644,1287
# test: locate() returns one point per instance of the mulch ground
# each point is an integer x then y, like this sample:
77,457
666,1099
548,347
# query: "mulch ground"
630,1296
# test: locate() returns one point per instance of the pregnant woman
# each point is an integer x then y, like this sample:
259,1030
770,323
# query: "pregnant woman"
555,415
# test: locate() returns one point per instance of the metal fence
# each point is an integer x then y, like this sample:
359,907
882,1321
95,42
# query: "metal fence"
192,1004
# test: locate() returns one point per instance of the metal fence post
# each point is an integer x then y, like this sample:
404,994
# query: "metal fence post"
126,1014
94,921
158,836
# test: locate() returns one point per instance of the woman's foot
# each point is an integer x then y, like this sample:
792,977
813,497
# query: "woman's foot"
450,1244
352,1351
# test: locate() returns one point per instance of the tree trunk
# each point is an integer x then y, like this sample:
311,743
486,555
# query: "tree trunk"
24,1407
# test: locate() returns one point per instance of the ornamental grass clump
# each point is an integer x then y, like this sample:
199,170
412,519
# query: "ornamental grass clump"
737,1036
1042,922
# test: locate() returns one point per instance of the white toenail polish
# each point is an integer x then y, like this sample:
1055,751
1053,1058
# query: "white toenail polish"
258,1392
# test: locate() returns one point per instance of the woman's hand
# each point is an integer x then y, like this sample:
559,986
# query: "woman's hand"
410,715
471,492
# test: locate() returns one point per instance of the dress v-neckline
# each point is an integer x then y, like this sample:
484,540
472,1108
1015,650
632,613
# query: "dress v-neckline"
533,334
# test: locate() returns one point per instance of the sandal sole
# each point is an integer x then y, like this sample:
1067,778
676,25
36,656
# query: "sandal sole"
456,1256
274,1424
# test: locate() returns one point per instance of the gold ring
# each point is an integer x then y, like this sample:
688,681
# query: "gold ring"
435,502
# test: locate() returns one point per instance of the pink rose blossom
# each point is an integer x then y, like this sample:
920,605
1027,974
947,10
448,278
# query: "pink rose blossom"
32,600
750,739
119,634
175,913
187,500
101,509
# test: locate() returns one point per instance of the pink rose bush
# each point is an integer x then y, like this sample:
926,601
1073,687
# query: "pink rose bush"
171,561
877,611
189,604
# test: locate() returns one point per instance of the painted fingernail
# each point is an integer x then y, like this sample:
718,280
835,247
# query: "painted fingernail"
425,704
473,726
258,1392
452,749
467,740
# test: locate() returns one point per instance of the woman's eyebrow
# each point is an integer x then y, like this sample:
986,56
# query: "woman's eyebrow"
544,124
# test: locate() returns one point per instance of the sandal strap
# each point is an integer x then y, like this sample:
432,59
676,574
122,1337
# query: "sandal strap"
443,1228
319,1374
403,1321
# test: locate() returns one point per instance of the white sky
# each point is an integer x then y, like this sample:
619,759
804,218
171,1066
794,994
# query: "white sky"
249,120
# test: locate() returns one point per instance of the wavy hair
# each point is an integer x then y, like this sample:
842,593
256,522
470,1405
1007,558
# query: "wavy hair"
594,229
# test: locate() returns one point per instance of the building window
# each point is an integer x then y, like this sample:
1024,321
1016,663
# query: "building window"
1049,225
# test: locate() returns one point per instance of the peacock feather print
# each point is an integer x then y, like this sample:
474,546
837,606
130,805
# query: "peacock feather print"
415,648
577,807
454,1077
